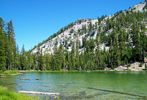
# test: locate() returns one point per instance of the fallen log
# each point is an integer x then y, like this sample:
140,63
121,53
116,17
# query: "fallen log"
41,93
117,92
24,79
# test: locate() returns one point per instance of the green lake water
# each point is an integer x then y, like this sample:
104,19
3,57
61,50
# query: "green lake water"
82,85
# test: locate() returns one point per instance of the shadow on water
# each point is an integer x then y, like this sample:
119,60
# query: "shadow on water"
81,95
142,97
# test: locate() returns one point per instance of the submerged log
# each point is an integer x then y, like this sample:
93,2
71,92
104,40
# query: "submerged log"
117,92
41,93
24,79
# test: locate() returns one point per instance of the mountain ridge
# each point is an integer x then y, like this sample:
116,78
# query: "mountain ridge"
70,32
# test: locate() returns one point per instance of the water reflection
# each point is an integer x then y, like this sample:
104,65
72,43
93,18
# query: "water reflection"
75,85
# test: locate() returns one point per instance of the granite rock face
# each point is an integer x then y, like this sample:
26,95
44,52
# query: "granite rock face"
67,36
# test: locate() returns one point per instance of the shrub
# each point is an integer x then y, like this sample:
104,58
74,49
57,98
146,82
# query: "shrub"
80,21
140,65
72,30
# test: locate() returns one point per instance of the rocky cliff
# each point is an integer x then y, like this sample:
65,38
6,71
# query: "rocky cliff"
82,29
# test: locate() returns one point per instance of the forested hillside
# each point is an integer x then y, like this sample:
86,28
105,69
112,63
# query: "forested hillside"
109,41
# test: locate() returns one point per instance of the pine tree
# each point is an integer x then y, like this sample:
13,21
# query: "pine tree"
77,55
53,62
6,48
122,47
136,41
29,60
69,62
17,62
95,25
99,29
41,61
91,45
84,59
11,48
114,49
13,43
23,58
34,62
47,61
98,51
60,57
2,47
143,40
73,56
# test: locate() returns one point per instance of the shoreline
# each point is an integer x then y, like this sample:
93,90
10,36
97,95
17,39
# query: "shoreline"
10,73
88,71
2,74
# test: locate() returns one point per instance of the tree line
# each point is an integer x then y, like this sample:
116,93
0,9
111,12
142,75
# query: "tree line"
124,34
10,57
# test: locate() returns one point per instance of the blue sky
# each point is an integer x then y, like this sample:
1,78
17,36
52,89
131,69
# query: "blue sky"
35,20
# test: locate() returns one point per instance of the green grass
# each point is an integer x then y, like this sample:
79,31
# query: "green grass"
10,72
6,95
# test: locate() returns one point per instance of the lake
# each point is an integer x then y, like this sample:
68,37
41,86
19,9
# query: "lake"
82,85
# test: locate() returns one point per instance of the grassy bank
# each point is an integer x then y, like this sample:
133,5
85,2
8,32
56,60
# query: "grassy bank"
9,72
6,95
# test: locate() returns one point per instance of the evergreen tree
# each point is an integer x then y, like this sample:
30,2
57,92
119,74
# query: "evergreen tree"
61,57
136,41
114,50
122,44
29,61
77,55
6,48
34,62
2,47
91,45
17,62
69,62
73,56
53,62
11,48
95,25
41,61
98,51
143,40
99,29
47,61
23,58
